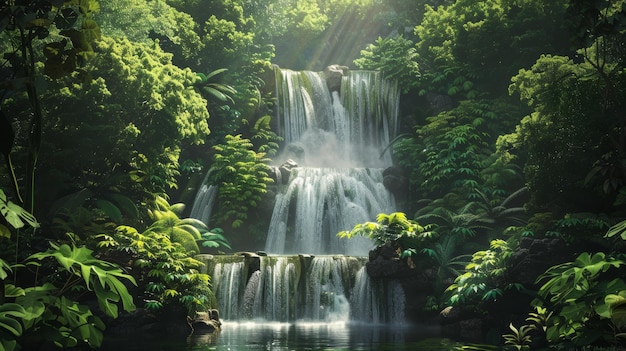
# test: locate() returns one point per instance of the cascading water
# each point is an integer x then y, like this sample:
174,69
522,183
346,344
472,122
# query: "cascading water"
332,137
320,202
344,129
338,141
302,288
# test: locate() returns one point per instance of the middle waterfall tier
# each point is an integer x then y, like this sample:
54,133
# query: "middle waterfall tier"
318,203
302,288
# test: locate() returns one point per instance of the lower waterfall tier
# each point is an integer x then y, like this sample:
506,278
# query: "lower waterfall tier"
302,288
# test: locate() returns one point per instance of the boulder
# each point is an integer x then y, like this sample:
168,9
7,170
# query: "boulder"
205,322
333,74
285,170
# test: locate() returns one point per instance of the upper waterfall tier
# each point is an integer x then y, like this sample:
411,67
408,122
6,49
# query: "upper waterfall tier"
349,127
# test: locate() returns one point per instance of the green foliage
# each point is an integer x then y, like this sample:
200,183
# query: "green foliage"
464,223
215,92
101,277
453,150
518,339
242,176
584,298
14,215
462,61
142,21
391,228
26,312
266,140
168,274
166,222
214,238
483,280
575,107
450,264
395,57
617,229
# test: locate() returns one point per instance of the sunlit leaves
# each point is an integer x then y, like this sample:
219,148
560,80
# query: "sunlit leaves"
100,276
396,57
161,253
391,228
482,279
242,176
141,21
15,215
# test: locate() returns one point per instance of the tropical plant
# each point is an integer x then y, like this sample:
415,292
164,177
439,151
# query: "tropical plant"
394,228
242,176
448,262
166,221
214,238
265,140
54,307
518,339
584,297
466,222
483,279
503,214
48,311
216,93
166,272
395,57
16,216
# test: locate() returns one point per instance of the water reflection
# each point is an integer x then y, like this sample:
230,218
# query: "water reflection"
299,336
320,336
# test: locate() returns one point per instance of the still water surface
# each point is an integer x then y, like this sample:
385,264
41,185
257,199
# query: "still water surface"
252,336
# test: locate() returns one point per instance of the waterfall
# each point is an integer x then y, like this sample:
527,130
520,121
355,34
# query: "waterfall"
332,136
338,141
377,301
301,288
203,202
228,279
335,129
320,202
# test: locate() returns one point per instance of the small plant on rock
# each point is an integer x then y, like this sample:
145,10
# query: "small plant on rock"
392,228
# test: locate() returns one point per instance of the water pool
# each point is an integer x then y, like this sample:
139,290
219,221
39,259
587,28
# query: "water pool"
301,336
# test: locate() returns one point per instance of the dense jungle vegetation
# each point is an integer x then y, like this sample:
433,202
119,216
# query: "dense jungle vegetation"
112,112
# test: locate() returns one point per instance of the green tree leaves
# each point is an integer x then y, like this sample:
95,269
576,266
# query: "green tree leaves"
242,176
396,57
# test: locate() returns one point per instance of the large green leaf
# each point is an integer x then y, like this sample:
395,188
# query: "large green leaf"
8,322
15,214
98,275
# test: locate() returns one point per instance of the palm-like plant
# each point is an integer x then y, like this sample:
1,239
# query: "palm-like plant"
185,231
217,93
503,213
463,222
519,339
444,253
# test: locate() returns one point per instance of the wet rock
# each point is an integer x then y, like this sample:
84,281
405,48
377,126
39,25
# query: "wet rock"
285,170
205,322
333,74
394,180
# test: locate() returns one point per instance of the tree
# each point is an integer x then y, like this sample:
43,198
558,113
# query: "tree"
24,28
